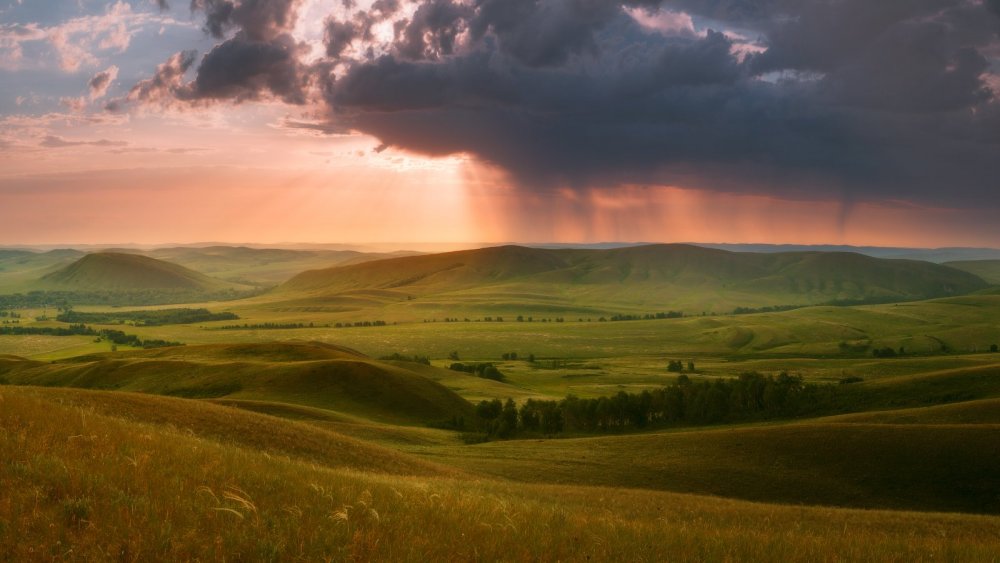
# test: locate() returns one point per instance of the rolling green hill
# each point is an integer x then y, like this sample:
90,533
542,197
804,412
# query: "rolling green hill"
20,269
989,270
110,271
649,278
314,375
257,266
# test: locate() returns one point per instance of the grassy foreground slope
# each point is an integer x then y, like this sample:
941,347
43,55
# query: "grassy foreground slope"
906,467
82,484
111,271
649,278
317,375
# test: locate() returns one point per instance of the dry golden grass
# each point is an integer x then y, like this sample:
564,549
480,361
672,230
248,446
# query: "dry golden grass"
81,484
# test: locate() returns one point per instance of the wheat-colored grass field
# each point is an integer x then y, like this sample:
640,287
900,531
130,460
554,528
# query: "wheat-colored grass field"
83,484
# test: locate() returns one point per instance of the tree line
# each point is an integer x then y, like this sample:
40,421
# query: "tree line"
268,326
66,299
114,336
158,317
752,396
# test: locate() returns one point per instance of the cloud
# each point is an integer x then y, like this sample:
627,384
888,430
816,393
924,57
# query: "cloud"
163,88
243,69
55,142
74,104
339,34
100,82
12,36
433,30
259,20
76,43
852,99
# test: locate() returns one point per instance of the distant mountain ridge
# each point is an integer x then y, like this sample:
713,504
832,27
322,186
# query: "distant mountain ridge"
648,274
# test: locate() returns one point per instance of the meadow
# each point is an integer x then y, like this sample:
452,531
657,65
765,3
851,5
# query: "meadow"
293,439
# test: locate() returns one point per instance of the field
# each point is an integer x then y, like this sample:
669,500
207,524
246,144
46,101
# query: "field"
281,436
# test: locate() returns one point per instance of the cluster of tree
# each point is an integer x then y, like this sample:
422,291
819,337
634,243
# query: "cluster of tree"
10,314
148,318
677,366
751,396
268,326
360,324
397,357
994,348
484,370
768,309
120,338
114,336
71,330
504,420
66,299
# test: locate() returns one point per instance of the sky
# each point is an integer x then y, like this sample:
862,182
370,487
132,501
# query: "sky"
354,121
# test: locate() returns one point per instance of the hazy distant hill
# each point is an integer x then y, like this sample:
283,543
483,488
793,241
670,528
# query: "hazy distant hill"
20,268
653,275
989,270
257,266
936,255
111,271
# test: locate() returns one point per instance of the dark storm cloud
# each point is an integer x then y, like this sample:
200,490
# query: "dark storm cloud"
260,20
259,60
684,106
338,34
543,33
858,98
863,99
432,31
918,55
242,69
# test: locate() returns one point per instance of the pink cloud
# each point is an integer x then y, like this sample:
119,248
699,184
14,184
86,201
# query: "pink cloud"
663,21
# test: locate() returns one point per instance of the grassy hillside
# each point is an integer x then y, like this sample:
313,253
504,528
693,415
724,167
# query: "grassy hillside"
313,375
258,266
110,271
20,269
988,270
646,278
89,484
983,411
908,467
